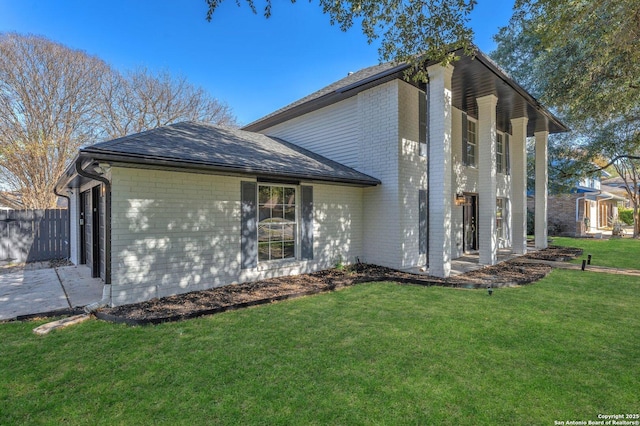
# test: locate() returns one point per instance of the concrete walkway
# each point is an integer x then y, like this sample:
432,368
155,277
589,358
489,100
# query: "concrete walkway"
38,291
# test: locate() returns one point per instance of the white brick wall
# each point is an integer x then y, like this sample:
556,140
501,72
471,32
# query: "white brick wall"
176,232
331,131
412,175
375,132
378,156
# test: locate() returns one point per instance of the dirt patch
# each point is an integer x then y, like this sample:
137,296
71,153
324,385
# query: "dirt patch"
189,305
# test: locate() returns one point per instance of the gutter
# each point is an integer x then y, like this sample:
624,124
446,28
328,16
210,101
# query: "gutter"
156,162
107,216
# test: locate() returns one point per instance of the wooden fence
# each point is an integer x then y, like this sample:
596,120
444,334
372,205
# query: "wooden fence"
33,235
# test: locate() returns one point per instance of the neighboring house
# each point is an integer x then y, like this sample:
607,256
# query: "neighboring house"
617,186
587,209
371,168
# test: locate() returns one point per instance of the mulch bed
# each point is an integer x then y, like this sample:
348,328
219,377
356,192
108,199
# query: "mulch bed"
190,305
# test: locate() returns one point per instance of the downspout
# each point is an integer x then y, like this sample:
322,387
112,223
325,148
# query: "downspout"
55,191
106,294
427,93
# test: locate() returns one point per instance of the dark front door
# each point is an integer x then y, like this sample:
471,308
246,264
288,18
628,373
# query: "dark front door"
84,208
470,214
90,225
95,231
86,218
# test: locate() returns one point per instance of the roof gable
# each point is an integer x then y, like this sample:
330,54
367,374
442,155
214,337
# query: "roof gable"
473,77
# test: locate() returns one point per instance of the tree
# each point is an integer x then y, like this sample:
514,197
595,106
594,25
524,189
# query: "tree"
47,111
140,100
411,30
580,58
54,100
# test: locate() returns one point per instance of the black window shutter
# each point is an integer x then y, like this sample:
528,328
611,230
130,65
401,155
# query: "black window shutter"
306,243
249,217
507,154
465,139
422,117
422,218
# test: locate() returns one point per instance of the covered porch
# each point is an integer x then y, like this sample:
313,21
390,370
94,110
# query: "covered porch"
503,114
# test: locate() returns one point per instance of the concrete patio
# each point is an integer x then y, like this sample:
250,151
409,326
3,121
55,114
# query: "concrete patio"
38,290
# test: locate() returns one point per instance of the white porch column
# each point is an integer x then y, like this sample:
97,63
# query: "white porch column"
440,170
542,178
488,244
518,157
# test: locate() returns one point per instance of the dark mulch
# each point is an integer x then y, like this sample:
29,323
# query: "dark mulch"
189,305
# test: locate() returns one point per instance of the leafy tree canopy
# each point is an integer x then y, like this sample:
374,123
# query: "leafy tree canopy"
410,30
581,58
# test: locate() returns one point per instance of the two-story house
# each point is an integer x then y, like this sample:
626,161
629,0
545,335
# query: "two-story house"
373,167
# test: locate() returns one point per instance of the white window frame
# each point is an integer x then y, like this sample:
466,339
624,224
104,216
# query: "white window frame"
295,223
472,142
500,154
501,217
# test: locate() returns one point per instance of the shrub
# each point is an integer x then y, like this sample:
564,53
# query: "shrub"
625,216
531,222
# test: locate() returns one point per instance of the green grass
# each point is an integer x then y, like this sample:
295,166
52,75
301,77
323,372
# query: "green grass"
564,348
615,252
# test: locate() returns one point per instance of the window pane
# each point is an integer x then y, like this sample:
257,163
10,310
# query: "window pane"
289,250
276,195
264,193
263,233
276,250
263,251
264,213
499,154
277,233
290,197
277,213
288,232
290,214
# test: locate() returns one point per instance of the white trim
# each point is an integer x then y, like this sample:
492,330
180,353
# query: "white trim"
297,233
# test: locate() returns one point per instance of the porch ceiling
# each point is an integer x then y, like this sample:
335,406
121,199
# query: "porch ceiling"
475,77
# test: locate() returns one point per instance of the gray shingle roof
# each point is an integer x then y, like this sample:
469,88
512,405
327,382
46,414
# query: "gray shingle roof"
354,78
199,145
474,76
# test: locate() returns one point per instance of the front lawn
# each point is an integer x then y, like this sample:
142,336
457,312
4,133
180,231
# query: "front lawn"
565,348
615,252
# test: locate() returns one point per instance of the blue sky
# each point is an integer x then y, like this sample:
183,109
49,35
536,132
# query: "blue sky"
255,65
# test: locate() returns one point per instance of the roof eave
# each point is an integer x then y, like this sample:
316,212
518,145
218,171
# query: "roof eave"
132,160
487,62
